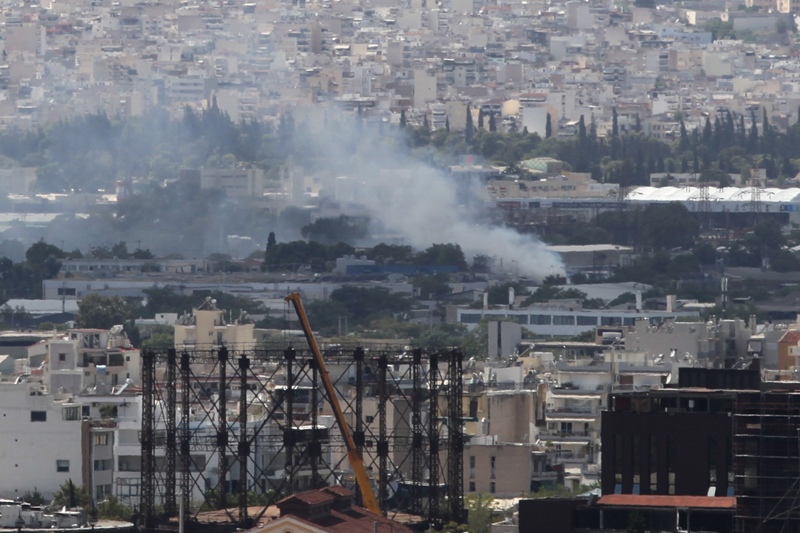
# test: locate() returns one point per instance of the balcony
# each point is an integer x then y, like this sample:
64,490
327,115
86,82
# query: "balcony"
576,414
567,436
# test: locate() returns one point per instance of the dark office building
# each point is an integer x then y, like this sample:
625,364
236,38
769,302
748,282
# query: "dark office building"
767,461
669,442
700,442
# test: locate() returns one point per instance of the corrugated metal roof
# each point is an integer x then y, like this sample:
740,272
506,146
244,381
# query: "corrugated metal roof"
715,194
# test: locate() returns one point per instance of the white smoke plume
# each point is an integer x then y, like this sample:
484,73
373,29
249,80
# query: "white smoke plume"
422,205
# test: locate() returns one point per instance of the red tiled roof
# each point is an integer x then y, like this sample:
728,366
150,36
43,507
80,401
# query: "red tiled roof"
792,336
338,490
311,497
352,520
652,500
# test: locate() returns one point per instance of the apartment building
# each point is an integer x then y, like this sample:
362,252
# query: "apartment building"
41,440
207,328
95,360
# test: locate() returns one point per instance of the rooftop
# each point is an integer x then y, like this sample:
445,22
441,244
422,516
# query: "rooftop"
651,500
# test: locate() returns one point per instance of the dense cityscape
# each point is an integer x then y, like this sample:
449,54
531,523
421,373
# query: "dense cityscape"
464,266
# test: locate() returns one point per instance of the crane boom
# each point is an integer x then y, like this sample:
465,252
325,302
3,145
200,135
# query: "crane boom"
356,462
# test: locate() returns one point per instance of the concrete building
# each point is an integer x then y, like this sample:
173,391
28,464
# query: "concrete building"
566,320
503,469
41,442
236,182
207,328
95,360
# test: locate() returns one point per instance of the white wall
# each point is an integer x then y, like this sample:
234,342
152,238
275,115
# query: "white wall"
29,450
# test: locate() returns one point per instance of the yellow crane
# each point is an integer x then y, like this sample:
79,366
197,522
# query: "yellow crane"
356,462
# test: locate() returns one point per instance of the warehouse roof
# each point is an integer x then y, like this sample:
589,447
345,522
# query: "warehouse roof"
723,194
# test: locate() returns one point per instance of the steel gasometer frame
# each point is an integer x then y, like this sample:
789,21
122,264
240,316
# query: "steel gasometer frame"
238,429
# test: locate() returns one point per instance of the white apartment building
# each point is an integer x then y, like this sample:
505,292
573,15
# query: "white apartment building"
575,402
91,359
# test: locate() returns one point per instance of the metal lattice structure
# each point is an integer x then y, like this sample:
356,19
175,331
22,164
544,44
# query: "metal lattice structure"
226,429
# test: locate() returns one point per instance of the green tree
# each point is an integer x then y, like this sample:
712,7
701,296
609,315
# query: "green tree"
102,312
548,127
442,254
271,242
431,287
33,497
161,338
441,336
112,509
384,254
333,230
480,512
70,495
469,129
44,260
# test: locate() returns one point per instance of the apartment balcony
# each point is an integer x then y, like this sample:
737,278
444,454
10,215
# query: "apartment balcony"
566,457
567,436
572,414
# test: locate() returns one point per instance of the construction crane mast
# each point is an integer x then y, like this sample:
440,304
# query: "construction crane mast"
356,462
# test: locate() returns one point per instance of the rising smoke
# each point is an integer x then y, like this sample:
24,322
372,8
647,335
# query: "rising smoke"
420,204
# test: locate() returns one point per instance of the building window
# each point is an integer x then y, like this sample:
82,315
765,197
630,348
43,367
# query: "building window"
492,488
101,439
472,467
540,320
62,357
62,465
491,467
102,464
101,491
472,486
71,413
38,416
563,320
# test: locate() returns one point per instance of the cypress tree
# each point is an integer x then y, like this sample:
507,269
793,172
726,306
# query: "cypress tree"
548,127
271,242
492,123
753,139
684,135
707,133
615,123
742,132
480,119
469,131
402,118
766,132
